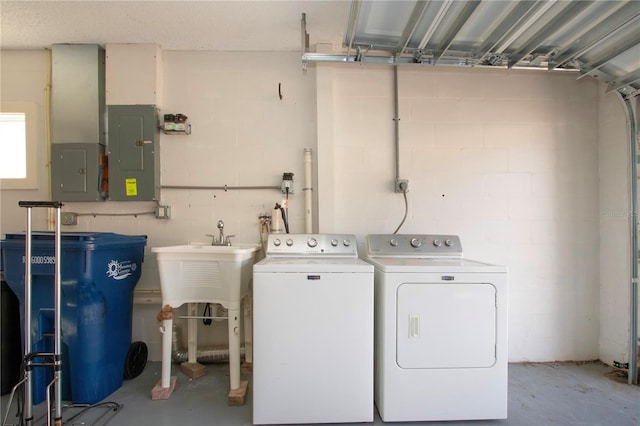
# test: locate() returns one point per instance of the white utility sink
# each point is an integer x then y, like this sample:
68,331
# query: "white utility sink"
202,273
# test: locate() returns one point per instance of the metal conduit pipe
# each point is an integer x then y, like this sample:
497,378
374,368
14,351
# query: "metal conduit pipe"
220,188
204,355
308,191
396,121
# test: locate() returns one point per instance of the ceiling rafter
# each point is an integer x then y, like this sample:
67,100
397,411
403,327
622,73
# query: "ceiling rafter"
434,24
587,37
351,25
506,26
621,47
412,25
625,80
594,33
455,28
551,27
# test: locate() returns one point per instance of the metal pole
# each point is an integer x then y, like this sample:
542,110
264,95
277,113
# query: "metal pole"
58,325
28,401
28,386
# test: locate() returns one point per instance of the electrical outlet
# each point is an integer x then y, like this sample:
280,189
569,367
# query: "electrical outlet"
69,218
163,212
287,183
402,185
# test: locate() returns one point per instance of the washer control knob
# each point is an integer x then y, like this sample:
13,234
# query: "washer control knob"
448,242
437,243
312,242
334,242
415,242
393,242
289,242
277,242
346,243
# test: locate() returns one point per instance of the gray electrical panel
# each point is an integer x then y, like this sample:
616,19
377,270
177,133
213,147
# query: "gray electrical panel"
78,93
134,155
78,172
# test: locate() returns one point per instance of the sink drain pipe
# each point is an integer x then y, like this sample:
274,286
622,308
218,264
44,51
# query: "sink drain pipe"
204,355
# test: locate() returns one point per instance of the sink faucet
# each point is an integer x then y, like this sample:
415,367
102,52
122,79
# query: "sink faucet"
220,228
221,240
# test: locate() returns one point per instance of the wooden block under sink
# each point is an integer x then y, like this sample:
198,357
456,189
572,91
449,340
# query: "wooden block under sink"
158,392
193,369
238,396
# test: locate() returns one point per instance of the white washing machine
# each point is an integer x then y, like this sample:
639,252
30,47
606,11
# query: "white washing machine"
313,331
441,330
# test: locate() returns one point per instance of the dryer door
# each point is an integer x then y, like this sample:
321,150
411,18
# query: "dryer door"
446,325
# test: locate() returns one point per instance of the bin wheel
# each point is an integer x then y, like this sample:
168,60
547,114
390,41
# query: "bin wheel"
136,360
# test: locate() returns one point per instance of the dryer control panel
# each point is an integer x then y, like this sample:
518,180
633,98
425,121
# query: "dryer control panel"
413,245
328,245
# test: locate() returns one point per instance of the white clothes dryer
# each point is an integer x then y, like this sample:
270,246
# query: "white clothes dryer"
312,331
441,330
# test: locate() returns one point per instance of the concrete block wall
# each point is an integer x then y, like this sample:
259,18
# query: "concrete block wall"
23,79
242,135
516,163
133,74
615,230
507,160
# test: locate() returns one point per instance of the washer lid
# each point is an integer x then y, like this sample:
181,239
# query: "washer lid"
312,264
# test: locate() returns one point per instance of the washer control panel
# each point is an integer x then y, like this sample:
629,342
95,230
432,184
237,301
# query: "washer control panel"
408,245
312,245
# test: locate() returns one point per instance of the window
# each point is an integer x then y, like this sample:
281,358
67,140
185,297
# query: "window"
18,154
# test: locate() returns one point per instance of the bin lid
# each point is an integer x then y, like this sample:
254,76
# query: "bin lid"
77,240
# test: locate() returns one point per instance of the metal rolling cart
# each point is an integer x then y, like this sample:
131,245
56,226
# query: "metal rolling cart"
65,333
32,359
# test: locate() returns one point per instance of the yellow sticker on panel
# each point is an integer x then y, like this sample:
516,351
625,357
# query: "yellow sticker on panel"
131,187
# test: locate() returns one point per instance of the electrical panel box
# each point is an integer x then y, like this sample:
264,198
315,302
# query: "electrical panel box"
78,172
77,93
134,154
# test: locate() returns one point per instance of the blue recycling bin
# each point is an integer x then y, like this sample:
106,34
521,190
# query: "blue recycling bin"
98,274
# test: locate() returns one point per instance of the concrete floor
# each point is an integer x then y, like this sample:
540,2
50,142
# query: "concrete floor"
539,394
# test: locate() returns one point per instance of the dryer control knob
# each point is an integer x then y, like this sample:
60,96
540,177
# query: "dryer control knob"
448,243
393,242
277,242
312,242
437,243
346,243
289,242
334,242
415,242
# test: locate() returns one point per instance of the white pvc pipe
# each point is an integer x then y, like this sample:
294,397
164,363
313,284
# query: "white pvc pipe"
192,333
308,192
165,329
234,348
